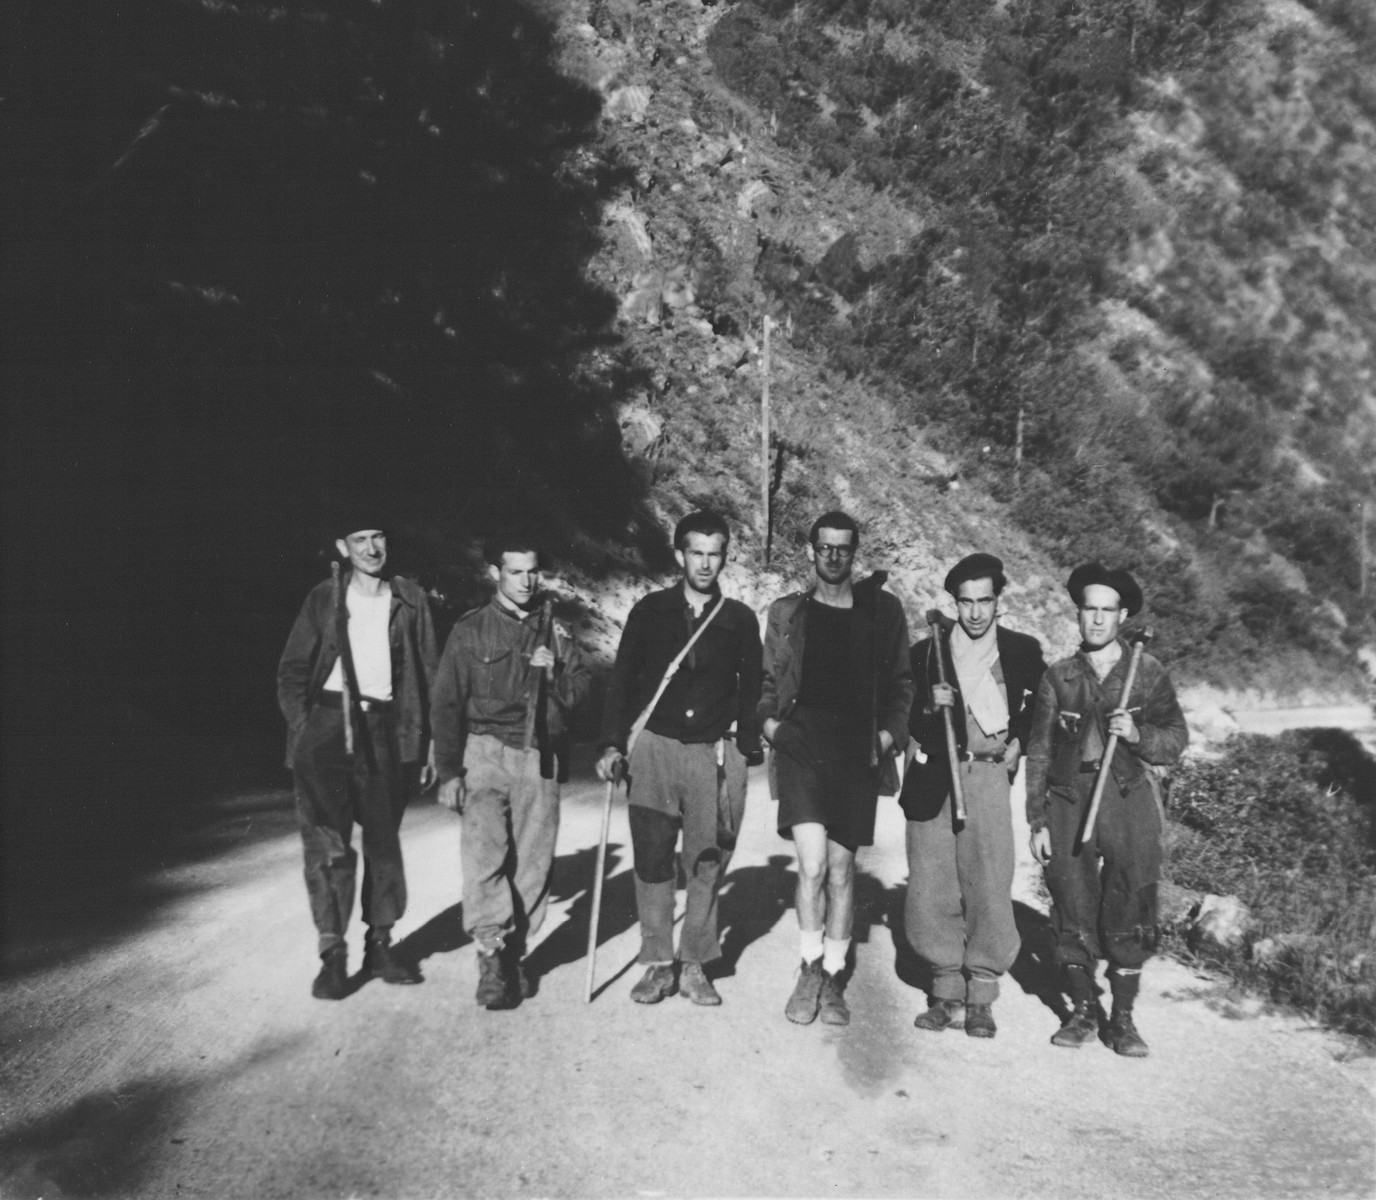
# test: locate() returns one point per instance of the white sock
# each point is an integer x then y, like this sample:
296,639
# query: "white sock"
834,959
810,942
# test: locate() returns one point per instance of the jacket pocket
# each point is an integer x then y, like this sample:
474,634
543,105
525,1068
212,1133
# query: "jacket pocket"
490,671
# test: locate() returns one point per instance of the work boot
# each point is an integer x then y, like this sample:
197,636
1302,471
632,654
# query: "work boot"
1080,1027
522,985
801,1008
333,981
832,1005
979,1020
1123,1037
380,962
495,990
693,983
941,1014
657,982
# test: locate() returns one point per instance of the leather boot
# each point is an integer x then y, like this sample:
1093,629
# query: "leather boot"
495,989
1083,1023
333,981
941,1014
380,962
1122,1034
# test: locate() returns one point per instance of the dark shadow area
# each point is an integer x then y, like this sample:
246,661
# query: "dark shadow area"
109,1142
441,934
907,965
255,256
1035,970
752,902
572,878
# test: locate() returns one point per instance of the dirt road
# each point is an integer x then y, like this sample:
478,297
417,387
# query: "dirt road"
186,1058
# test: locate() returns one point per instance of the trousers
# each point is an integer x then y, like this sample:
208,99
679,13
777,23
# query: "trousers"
509,828
681,786
958,911
332,794
1104,896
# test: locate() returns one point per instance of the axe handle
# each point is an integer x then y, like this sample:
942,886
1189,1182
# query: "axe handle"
1106,763
952,753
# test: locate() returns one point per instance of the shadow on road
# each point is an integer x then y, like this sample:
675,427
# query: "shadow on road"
1035,970
441,934
753,899
572,878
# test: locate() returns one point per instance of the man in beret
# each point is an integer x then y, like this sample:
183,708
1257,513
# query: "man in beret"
959,909
353,683
1104,893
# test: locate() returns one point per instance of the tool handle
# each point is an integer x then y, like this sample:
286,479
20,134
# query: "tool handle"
952,753
1106,763
597,892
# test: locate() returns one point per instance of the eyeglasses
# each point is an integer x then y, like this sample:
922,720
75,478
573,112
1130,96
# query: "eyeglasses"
833,551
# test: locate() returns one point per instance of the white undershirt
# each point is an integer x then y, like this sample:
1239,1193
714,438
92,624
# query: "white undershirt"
372,648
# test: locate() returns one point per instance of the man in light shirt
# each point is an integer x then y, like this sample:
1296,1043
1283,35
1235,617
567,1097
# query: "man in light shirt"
353,684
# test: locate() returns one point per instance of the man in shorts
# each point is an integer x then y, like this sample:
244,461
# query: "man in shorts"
834,706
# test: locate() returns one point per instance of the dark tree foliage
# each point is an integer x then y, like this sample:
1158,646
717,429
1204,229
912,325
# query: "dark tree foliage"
263,252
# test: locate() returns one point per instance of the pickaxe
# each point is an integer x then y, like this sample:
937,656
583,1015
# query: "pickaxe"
938,621
1139,642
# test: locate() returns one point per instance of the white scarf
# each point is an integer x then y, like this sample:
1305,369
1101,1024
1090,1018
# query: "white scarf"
974,663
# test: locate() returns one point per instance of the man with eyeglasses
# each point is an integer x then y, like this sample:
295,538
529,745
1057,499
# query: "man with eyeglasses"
834,707
1103,894
958,913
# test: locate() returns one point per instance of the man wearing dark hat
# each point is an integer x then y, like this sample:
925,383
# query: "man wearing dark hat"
353,683
509,676
834,706
1104,893
959,909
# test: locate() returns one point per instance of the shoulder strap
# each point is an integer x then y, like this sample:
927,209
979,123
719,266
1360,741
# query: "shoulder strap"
669,673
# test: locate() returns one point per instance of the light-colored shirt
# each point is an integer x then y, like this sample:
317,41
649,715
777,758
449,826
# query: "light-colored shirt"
372,648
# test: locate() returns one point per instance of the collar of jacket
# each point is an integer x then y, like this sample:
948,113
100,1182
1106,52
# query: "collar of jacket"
865,593
403,589
1080,664
674,597
496,603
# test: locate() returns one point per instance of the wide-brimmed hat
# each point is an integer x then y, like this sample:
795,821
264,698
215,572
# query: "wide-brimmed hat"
1088,574
976,566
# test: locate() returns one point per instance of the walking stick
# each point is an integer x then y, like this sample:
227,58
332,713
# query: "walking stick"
1139,641
935,621
597,890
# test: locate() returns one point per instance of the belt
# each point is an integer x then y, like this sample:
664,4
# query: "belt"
971,756
366,703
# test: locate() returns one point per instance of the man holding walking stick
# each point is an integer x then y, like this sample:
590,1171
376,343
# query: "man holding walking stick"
697,732
353,683
1103,879
509,676
979,678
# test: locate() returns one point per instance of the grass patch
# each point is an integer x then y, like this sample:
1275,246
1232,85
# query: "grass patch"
1286,824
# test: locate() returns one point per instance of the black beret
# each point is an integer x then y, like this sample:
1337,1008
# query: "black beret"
1083,576
353,516
976,566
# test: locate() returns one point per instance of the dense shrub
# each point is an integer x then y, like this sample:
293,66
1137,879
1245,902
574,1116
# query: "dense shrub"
1287,825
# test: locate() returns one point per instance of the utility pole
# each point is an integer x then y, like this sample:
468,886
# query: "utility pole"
1362,551
764,447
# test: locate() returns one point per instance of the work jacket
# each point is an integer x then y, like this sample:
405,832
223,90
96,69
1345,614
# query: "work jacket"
927,784
484,685
1070,729
881,624
312,649
716,686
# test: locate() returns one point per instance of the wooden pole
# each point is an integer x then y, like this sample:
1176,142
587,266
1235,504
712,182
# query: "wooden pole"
764,447
1017,452
1362,551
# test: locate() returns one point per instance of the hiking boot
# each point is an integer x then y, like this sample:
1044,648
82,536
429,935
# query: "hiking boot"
941,1014
495,990
979,1021
333,981
1124,1038
693,983
519,980
657,982
801,1008
380,962
832,1006
1080,1027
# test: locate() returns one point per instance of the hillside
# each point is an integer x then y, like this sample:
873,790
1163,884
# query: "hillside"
1049,281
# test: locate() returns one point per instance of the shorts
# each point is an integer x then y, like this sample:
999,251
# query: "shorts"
823,773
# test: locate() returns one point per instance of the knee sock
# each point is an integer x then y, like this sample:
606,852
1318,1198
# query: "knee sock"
834,957
810,943
1124,984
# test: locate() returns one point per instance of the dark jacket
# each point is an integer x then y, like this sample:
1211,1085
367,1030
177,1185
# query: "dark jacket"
927,784
717,684
483,685
312,648
1071,702
881,624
